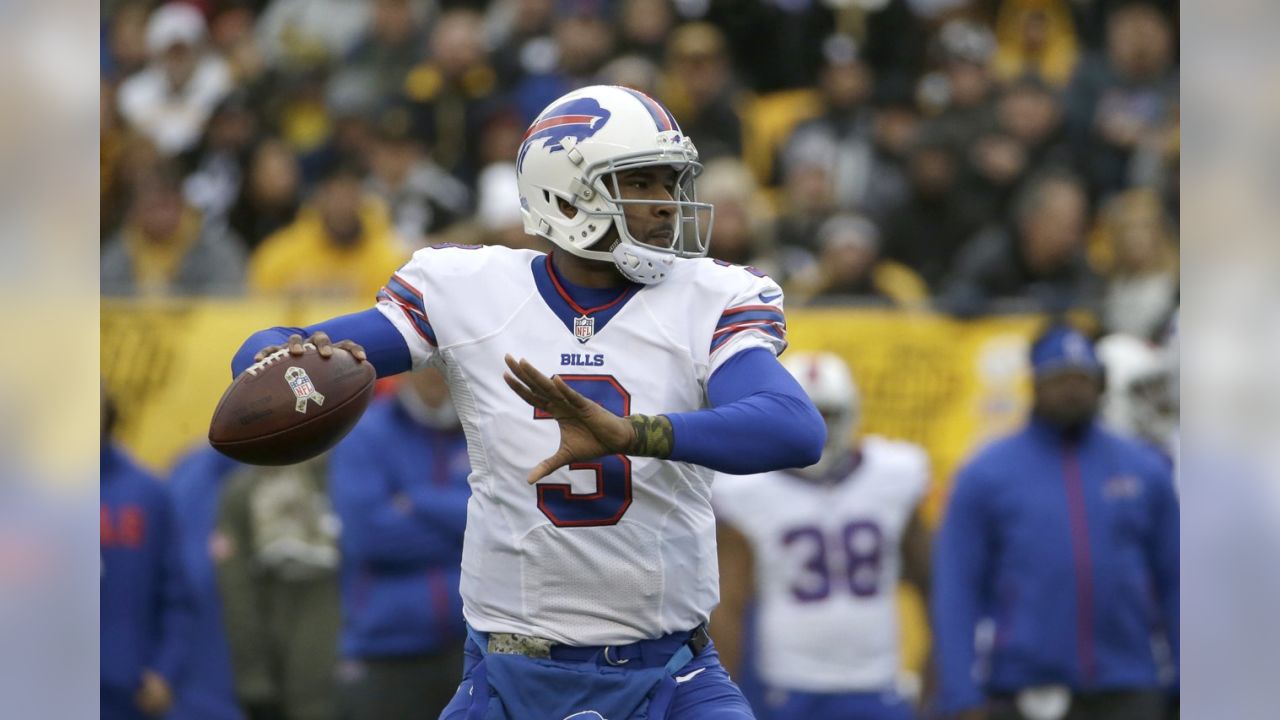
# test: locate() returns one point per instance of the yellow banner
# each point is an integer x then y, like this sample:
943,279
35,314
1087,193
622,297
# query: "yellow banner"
942,383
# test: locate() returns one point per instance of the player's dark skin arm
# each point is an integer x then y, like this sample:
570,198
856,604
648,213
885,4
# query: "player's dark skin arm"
737,583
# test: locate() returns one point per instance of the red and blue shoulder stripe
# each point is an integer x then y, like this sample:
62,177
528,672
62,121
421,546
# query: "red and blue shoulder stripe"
409,300
767,319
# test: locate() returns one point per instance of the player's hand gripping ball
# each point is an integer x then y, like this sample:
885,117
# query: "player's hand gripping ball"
294,402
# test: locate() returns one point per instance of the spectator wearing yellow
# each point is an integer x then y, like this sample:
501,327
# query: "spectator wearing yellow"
1035,39
165,247
341,243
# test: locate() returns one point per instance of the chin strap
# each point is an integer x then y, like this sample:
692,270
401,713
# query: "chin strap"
641,264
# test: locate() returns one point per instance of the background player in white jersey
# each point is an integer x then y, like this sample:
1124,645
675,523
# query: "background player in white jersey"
589,564
819,551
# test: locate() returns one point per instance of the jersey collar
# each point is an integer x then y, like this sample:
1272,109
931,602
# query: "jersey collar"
593,312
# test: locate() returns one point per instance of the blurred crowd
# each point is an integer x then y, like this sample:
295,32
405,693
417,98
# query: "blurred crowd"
973,156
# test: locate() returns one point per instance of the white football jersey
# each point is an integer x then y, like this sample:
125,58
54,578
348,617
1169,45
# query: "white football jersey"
827,561
605,552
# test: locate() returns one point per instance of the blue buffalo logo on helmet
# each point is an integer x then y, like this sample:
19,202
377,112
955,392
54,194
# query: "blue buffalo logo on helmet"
578,119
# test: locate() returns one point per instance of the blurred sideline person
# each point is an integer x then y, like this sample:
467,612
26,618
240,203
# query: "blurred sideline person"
1064,537
278,578
1141,398
144,605
819,551
399,487
195,489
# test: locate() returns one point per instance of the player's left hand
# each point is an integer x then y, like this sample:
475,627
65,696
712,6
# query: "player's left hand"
587,430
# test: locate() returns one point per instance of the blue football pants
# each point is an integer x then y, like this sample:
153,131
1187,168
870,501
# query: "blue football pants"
704,691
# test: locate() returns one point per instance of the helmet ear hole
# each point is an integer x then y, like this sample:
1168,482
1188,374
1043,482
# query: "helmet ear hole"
564,206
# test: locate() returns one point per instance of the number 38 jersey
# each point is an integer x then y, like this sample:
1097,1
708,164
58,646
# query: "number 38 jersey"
610,551
827,561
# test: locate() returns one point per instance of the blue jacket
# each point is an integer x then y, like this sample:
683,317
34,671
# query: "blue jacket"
143,603
400,490
1071,548
208,692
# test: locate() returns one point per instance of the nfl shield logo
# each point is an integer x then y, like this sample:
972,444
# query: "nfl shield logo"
303,388
584,327
300,382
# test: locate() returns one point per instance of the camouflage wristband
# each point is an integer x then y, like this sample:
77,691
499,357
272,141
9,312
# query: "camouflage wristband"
654,436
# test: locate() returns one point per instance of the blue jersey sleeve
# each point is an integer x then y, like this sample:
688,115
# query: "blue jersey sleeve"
760,419
370,329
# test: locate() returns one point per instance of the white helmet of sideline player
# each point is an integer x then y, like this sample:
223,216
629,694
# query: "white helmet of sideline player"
574,149
827,381
1140,398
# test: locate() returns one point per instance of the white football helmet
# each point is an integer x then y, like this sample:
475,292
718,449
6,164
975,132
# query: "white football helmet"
1141,397
827,381
572,152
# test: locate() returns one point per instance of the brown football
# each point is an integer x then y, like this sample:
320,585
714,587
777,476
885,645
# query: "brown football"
285,409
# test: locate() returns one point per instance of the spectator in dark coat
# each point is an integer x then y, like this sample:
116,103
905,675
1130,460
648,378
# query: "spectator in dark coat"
928,231
1039,261
392,45
423,199
866,178
270,194
453,92
1119,102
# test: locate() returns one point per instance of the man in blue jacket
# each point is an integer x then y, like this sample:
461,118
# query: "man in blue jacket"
143,601
1063,540
399,487
208,692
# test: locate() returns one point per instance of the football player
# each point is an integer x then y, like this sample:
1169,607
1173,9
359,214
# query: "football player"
600,387
819,551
